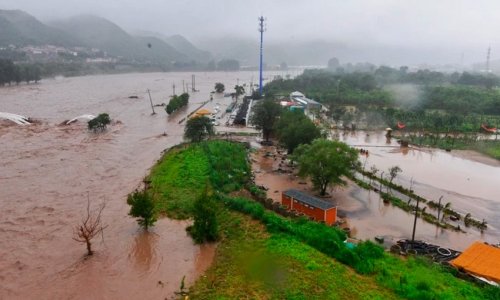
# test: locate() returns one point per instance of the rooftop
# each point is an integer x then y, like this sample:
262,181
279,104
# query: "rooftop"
481,260
308,199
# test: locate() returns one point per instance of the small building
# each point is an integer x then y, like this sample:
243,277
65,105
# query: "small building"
301,99
480,260
313,207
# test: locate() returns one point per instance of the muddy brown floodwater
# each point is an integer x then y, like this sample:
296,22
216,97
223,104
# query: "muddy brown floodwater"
47,171
467,180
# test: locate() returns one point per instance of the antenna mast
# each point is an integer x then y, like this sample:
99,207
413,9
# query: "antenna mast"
261,30
488,60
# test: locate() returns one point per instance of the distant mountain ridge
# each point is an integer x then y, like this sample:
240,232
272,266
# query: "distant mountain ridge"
100,33
21,29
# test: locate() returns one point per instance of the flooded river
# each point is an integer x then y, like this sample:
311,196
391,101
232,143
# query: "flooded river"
47,172
470,182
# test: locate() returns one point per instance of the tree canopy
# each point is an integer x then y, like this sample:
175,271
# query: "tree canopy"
239,90
219,87
205,227
142,208
198,129
264,116
177,102
294,128
325,162
99,123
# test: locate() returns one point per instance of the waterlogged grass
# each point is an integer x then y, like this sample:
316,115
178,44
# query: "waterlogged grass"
252,264
412,278
178,179
182,174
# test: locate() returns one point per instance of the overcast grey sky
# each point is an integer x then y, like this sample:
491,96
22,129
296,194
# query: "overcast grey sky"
457,26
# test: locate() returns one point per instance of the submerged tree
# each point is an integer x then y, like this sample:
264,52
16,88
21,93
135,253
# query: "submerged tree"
142,208
99,123
219,87
239,90
393,172
89,227
198,129
325,162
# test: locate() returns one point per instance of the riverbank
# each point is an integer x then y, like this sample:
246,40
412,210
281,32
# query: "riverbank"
268,256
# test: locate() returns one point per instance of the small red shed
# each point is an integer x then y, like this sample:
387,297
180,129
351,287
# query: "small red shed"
316,208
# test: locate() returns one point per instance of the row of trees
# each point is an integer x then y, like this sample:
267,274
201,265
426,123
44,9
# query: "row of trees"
177,102
389,75
14,73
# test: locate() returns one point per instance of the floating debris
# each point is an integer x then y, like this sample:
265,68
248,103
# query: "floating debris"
18,119
84,117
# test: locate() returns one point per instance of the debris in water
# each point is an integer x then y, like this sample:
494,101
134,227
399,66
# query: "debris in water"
18,119
85,117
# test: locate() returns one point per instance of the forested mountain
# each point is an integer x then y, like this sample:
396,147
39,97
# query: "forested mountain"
21,29
96,32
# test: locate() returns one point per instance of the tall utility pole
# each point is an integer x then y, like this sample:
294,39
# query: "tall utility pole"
151,101
488,60
415,222
193,83
261,30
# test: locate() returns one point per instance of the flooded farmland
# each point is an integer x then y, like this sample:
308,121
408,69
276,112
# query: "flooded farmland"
467,180
47,171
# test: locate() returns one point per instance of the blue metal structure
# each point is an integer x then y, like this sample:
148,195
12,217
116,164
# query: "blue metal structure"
261,30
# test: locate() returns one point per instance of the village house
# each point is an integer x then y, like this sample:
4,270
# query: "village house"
310,206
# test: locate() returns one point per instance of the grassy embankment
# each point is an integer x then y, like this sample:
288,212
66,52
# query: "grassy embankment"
263,255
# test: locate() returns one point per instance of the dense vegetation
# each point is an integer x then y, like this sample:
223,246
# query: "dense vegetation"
142,208
177,102
17,73
455,93
449,111
198,128
278,257
294,128
325,162
99,123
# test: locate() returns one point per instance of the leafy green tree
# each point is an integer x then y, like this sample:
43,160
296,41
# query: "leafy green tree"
219,87
99,123
239,90
325,162
205,227
177,102
294,129
198,129
142,208
264,116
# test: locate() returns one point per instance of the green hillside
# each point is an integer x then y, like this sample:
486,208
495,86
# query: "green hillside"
21,29
96,32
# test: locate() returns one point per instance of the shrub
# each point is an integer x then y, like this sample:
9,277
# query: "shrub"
142,208
205,227
99,123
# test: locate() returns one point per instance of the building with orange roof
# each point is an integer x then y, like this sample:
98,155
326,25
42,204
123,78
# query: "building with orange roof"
481,260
